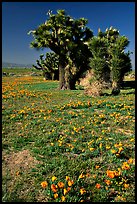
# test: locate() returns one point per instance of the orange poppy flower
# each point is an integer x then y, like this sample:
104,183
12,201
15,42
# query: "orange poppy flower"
53,188
60,184
110,174
44,184
108,182
98,186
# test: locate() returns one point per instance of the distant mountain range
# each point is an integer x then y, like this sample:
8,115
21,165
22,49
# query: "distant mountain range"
15,65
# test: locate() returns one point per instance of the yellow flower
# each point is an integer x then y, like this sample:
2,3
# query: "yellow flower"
82,191
130,161
52,144
91,149
113,151
54,178
126,185
60,184
67,178
108,147
63,198
65,191
55,195
97,167
120,149
125,166
81,175
44,184
70,182
100,145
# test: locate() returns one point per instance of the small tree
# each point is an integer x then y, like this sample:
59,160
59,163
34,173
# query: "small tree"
49,65
109,58
120,62
98,62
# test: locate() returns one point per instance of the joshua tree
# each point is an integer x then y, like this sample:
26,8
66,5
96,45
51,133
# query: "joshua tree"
63,35
49,65
109,58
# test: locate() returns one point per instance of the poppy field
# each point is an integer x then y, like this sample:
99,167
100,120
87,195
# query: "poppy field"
65,146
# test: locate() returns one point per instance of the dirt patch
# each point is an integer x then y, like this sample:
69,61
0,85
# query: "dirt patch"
19,161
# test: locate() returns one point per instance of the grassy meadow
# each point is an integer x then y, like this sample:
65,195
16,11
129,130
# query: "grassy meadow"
65,146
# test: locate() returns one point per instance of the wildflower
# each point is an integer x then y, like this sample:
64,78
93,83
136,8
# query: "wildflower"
100,145
125,166
91,149
53,188
54,178
65,191
108,147
120,149
70,182
126,185
63,198
17,173
108,182
81,175
117,173
89,104
88,175
110,174
60,184
130,161
113,151
55,195
97,167
82,191
68,189
98,186
44,184
67,178
52,144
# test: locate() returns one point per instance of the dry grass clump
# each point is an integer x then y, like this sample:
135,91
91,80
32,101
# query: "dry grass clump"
95,89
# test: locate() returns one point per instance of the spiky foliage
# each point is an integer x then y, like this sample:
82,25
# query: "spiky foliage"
109,57
49,65
62,34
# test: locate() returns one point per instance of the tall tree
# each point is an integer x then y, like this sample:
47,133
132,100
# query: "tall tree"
62,34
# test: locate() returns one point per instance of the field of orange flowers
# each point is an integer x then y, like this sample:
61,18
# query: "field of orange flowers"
64,146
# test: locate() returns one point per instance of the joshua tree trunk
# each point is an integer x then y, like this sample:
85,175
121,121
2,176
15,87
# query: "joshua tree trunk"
62,84
115,88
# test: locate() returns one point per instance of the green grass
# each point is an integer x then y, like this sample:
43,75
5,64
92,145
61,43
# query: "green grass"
68,134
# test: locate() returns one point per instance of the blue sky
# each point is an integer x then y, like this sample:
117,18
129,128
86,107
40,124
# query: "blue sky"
20,17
